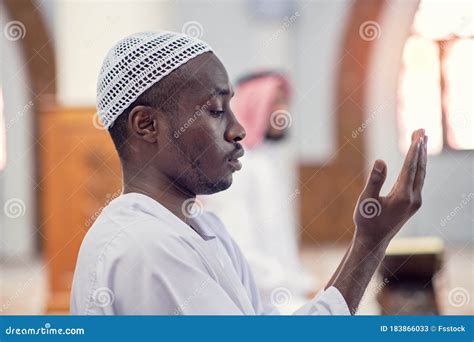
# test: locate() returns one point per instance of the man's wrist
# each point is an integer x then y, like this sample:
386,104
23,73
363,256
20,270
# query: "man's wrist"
369,243
360,263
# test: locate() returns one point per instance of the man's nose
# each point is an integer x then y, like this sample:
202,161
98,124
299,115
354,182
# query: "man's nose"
235,131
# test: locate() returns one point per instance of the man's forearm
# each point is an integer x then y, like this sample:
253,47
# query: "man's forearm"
336,273
355,271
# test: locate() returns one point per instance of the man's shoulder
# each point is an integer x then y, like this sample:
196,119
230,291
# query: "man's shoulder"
121,227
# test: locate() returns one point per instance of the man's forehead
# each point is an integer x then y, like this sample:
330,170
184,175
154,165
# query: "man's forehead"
207,74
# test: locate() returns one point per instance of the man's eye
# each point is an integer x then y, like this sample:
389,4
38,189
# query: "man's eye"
217,113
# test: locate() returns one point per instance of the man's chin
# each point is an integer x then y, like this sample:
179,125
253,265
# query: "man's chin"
219,186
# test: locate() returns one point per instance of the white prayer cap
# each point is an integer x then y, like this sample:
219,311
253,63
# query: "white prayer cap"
136,63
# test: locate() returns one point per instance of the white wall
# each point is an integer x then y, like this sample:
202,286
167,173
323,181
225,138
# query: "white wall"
449,178
17,210
316,61
240,36
86,30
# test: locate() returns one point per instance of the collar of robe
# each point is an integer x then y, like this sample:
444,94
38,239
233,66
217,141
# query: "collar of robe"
197,225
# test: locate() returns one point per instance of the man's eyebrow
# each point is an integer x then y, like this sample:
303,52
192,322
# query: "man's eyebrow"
222,92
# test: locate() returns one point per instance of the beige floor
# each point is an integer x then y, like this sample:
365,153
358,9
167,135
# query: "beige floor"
23,286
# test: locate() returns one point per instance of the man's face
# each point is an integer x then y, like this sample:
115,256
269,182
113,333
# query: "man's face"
203,136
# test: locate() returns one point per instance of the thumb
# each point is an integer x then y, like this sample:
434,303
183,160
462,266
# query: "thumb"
376,179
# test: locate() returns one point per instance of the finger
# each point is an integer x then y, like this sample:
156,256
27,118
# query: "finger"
421,168
408,171
416,134
376,179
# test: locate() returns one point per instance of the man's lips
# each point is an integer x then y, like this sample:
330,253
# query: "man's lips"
233,160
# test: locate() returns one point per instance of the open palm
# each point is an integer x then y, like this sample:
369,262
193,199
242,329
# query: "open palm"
379,218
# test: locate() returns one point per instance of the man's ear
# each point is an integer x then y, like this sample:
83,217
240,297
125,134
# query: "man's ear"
143,122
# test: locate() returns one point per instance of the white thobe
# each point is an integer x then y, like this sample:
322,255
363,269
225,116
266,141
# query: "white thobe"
259,212
140,259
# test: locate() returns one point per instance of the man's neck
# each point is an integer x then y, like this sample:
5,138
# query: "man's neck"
160,188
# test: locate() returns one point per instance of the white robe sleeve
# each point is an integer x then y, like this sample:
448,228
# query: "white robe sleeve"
327,302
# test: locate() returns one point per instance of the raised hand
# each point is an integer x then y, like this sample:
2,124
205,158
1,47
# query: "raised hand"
379,218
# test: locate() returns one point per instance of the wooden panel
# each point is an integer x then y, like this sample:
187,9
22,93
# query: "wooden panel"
79,175
328,198
330,191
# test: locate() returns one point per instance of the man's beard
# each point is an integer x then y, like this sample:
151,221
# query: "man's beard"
212,188
199,184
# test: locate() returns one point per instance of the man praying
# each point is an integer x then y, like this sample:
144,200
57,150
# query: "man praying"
165,99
